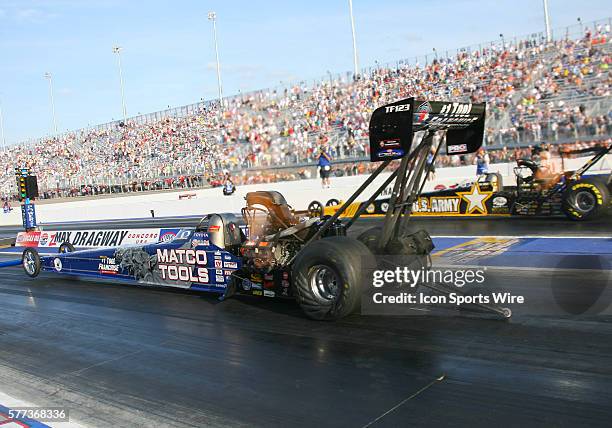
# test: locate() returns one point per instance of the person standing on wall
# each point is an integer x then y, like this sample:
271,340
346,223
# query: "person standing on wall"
325,163
482,162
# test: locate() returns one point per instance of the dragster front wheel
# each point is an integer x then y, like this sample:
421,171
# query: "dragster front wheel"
328,276
315,209
66,247
31,262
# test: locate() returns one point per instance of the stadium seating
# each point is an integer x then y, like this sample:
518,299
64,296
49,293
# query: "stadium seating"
557,92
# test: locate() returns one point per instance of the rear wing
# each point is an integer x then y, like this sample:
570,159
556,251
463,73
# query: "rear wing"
392,126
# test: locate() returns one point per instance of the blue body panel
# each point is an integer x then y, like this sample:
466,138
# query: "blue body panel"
189,262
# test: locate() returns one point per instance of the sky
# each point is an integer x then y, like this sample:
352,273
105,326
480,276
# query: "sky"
168,53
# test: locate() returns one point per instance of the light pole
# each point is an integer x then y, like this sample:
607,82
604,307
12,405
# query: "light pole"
117,50
581,27
355,61
435,53
501,36
2,127
50,79
212,16
547,21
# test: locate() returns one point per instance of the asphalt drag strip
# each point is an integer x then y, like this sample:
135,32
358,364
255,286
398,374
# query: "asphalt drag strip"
117,355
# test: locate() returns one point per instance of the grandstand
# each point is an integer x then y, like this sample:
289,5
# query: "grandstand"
558,92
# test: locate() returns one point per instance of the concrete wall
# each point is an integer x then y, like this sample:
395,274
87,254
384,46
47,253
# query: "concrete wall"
298,193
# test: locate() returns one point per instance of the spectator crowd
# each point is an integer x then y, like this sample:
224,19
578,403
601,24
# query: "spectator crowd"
535,91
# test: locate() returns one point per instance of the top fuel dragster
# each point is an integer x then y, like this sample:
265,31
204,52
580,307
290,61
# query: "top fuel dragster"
274,251
574,194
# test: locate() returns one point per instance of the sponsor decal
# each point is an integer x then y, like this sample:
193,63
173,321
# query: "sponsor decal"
200,243
230,265
268,284
89,238
456,108
499,201
100,238
219,278
108,266
269,293
371,209
218,264
228,272
436,204
27,239
168,235
285,287
218,271
456,148
203,243
227,257
57,264
256,285
44,239
198,238
422,112
142,237
186,233
476,199
246,284
183,265
257,292
390,153
214,228
389,144
285,275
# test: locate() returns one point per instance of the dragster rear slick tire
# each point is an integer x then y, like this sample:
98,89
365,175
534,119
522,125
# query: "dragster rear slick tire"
370,238
328,275
586,199
31,262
